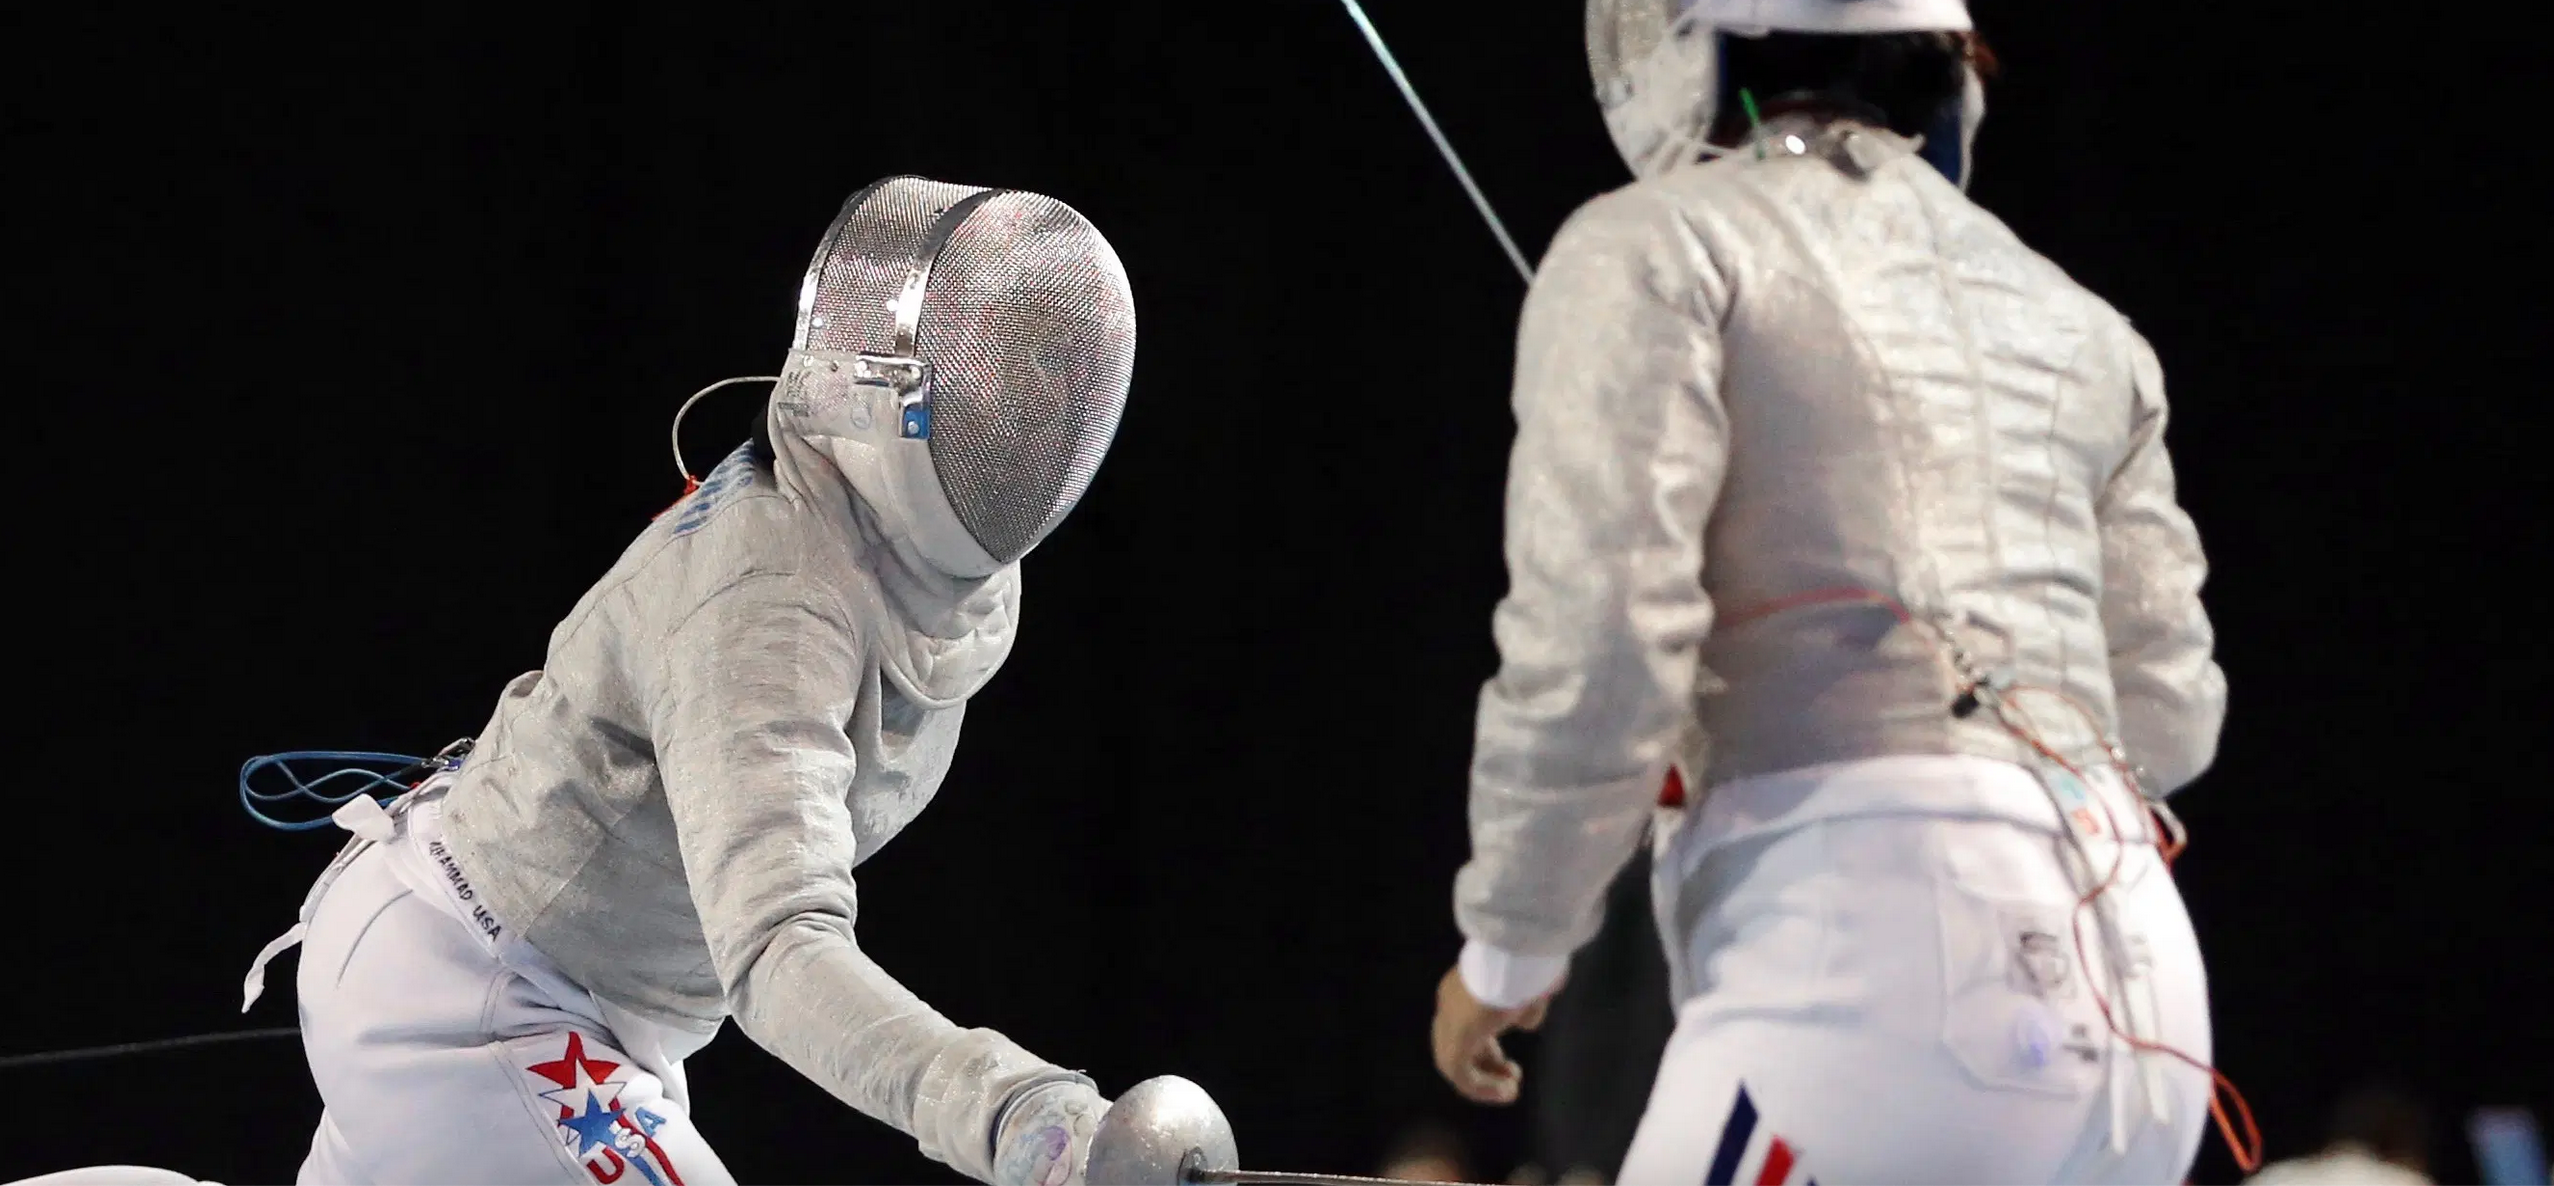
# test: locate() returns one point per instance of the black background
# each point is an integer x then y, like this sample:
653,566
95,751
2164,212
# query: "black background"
345,349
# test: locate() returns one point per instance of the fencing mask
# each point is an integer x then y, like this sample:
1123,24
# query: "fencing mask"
1657,66
962,356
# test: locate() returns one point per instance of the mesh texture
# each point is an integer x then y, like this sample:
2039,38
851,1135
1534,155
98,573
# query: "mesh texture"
865,261
1029,326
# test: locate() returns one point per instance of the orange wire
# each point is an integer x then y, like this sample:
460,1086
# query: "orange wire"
1816,597
2246,1146
690,484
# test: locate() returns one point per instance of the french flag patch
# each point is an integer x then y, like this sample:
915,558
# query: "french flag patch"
1752,1152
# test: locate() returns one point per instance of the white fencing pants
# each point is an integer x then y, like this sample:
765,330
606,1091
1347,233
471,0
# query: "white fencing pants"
111,1175
1876,996
448,1054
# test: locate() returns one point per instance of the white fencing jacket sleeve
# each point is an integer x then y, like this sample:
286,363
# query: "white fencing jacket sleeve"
2171,694
748,719
1619,456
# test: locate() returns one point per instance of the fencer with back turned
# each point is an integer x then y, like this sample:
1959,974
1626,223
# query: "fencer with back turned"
1845,558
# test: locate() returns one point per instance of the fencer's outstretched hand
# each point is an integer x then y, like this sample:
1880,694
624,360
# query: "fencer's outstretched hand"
1466,1038
1044,1136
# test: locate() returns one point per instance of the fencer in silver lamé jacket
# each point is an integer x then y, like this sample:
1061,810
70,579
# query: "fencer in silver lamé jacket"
1748,382
762,693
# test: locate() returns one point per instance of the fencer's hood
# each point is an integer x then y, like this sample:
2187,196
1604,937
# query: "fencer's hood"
962,358
1657,68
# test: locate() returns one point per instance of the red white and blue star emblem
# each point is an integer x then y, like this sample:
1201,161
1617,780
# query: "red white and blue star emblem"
605,1137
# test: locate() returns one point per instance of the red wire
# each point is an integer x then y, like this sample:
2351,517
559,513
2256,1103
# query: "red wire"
1817,597
2246,1147
690,484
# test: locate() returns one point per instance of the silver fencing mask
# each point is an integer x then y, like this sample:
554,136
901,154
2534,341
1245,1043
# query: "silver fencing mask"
962,357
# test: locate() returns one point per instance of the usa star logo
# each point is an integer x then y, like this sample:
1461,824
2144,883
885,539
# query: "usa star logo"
608,1139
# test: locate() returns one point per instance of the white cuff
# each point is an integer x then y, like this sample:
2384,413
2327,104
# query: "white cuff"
1506,980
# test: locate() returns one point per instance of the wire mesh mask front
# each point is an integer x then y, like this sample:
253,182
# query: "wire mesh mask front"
1028,326
1030,329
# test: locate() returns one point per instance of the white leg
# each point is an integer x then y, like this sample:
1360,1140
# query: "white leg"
109,1175
1896,999
438,1064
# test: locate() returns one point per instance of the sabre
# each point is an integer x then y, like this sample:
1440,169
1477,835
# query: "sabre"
1273,1178
1167,1131
1444,149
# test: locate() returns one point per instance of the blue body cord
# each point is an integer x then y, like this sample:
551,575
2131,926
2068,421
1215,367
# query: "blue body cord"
367,781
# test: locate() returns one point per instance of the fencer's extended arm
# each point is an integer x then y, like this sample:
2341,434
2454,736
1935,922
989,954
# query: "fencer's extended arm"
1619,456
2171,694
752,692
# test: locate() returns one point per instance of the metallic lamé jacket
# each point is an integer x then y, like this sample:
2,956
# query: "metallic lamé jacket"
1751,384
759,696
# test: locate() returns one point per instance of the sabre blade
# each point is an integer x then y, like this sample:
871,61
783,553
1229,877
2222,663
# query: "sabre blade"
1273,1178
1524,270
